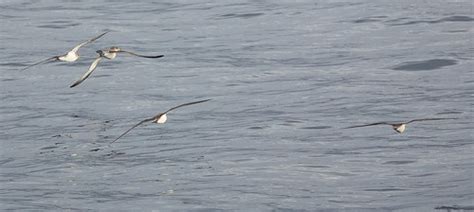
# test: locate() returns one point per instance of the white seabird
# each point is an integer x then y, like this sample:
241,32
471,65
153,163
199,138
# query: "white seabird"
161,118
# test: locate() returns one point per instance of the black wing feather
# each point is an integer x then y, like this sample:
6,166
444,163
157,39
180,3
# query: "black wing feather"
186,104
428,119
366,125
136,125
92,67
55,58
139,55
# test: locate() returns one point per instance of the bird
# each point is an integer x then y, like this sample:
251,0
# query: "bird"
70,56
399,127
161,118
110,54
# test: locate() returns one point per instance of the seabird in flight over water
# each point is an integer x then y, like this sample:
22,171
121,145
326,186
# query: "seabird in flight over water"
399,127
160,118
71,56
110,54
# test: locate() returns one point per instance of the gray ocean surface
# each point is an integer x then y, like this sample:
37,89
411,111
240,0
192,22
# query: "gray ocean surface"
285,77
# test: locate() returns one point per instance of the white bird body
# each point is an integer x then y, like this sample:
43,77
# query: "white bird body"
162,119
399,128
110,54
69,57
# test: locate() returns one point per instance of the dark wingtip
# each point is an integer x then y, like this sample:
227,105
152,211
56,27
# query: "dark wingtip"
120,136
154,57
204,100
74,85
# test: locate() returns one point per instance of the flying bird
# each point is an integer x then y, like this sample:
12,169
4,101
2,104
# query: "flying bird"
398,127
71,56
110,54
160,118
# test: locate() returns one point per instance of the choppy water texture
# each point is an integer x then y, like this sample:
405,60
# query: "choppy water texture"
285,78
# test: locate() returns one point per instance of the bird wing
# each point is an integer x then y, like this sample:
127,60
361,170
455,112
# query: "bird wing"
139,55
366,125
186,104
428,119
136,125
76,48
40,62
88,73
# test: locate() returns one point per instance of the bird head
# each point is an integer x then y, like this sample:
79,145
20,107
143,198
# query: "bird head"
114,49
100,52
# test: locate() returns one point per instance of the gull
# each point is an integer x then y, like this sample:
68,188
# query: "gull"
398,127
110,54
160,118
71,56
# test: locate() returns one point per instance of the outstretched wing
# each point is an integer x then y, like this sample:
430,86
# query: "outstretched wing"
88,73
186,104
366,125
76,48
428,119
136,125
55,58
139,55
